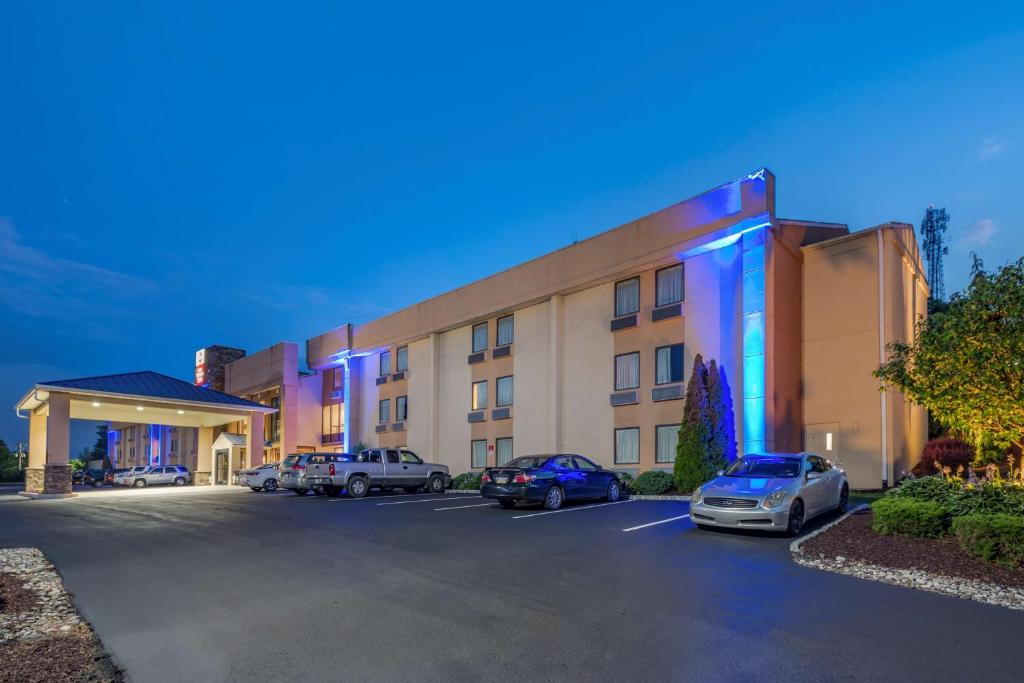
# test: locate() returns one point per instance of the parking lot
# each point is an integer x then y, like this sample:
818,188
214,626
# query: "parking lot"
236,585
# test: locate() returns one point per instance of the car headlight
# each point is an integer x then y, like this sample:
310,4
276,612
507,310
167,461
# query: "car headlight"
775,499
697,495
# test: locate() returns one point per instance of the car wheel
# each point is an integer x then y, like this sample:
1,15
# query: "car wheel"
301,492
358,487
180,481
844,500
614,492
270,485
139,483
553,498
507,504
436,484
796,518
97,484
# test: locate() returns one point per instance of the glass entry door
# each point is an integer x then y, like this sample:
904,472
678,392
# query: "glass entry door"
221,469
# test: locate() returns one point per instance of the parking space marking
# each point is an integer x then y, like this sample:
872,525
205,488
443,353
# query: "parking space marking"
462,507
660,521
582,507
403,502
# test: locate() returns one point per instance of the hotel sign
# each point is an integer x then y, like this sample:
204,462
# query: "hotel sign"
201,367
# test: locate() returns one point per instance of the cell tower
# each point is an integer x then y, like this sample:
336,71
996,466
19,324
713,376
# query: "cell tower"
933,230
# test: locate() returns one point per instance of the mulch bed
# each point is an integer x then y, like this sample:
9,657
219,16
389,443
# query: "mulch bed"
854,540
14,597
66,658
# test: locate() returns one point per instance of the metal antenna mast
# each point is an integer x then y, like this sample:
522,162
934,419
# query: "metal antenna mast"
933,230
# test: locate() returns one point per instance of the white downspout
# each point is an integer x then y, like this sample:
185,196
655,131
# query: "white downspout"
881,356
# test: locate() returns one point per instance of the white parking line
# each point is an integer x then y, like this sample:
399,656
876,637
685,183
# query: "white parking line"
461,507
582,507
660,521
403,502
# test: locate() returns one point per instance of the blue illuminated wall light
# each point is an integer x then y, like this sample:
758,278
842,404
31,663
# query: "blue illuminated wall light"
753,245
154,444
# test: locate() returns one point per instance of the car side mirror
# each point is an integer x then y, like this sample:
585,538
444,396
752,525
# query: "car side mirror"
813,475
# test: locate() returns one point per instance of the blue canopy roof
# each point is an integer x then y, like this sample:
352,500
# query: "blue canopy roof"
150,384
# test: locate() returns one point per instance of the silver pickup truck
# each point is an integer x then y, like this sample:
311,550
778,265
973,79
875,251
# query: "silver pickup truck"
381,467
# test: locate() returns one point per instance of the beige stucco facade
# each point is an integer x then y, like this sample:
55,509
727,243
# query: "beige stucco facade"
799,374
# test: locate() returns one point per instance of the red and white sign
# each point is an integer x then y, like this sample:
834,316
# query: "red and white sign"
201,367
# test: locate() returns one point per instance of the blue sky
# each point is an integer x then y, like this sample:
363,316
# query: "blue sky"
174,175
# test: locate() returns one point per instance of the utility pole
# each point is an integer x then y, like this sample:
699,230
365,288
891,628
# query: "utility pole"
21,455
933,230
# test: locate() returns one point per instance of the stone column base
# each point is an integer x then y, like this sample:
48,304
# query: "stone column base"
201,479
34,479
57,478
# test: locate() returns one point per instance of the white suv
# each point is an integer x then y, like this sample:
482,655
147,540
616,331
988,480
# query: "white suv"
170,474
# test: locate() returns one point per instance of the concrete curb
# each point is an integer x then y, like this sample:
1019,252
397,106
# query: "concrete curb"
955,587
46,496
685,499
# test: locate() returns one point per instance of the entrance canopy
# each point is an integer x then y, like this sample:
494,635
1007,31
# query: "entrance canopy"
139,397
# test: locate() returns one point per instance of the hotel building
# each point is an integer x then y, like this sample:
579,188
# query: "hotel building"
588,349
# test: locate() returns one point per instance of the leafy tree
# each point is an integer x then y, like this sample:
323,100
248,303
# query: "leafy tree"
728,417
690,468
966,364
99,449
9,470
717,445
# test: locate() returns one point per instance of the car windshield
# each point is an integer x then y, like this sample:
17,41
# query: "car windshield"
291,460
528,462
765,466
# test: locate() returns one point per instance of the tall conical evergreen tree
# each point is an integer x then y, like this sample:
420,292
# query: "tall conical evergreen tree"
729,417
691,452
716,421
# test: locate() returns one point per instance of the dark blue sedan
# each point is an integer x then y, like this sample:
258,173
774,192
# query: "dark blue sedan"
550,480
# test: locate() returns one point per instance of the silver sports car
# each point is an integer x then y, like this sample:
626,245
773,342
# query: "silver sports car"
773,491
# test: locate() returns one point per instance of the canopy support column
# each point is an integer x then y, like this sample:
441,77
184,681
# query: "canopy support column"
204,457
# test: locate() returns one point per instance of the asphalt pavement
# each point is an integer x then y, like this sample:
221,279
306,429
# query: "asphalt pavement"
252,586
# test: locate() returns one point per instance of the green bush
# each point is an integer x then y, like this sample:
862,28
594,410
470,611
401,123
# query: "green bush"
997,538
651,483
467,481
909,517
960,498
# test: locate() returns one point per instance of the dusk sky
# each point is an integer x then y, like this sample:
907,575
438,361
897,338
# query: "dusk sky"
175,175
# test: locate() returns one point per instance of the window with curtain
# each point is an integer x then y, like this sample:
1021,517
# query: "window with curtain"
480,395
385,363
506,330
666,437
627,297
401,408
668,364
384,411
669,285
478,453
503,395
402,359
627,446
479,337
502,450
627,371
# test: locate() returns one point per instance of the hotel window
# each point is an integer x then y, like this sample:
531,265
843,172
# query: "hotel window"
627,371
402,359
627,446
669,285
502,450
385,363
506,330
666,437
503,392
627,297
479,337
331,422
384,411
668,364
272,426
401,408
478,453
480,395
338,377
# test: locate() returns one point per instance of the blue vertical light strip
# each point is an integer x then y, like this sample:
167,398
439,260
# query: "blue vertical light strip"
154,444
346,403
753,341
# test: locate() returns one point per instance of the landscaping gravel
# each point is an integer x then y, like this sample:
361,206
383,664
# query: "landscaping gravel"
42,636
934,564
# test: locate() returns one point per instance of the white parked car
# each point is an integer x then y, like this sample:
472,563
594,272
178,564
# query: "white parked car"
124,478
262,478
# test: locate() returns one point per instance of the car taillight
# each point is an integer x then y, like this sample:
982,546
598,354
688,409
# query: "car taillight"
330,469
485,478
524,478
296,467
